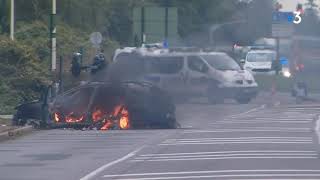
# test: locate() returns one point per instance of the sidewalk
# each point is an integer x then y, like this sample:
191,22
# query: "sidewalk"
4,128
5,123
9,132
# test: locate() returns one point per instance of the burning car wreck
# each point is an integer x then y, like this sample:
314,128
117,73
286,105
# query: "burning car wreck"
103,106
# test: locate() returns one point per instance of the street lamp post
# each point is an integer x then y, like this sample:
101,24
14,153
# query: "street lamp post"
12,20
53,53
53,36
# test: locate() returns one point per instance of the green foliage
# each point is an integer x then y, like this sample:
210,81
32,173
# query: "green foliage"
195,15
4,14
34,34
21,73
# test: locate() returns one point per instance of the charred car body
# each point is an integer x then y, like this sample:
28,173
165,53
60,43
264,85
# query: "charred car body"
103,105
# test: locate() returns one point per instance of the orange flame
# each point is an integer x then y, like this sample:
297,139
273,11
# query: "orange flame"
124,123
97,115
71,118
122,118
56,117
107,125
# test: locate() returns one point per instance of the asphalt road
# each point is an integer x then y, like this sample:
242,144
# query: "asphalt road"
228,141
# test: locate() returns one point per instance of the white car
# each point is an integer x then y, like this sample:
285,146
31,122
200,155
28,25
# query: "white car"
212,74
260,61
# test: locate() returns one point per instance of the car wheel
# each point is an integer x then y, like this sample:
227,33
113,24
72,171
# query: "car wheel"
243,100
172,123
213,94
18,121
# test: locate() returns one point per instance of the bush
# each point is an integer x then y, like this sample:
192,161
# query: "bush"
22,74
25,63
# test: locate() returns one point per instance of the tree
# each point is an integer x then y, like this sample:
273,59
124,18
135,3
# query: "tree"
311,4
4,25
310,23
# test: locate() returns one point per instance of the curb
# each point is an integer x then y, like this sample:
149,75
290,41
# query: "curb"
11,134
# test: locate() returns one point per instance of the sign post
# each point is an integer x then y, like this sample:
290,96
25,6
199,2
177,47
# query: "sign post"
96,40
282,27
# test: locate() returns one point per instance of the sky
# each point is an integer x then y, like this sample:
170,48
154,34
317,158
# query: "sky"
290,5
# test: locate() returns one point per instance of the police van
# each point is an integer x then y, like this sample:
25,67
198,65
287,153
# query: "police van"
187,72
260,61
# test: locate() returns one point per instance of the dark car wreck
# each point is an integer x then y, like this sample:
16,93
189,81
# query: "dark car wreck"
103,105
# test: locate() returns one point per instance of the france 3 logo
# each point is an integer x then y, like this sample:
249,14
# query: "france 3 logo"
291,17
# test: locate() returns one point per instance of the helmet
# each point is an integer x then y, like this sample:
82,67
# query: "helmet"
101,55
77,54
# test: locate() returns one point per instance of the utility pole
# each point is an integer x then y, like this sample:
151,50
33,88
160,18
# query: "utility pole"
166,20
143,38
53,36
12,20
277,55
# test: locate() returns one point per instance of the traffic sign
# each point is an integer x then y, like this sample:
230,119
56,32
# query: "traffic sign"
96,38
282,30
282,24
284,61
282,17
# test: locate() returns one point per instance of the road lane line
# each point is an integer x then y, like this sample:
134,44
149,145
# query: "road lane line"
270,171
229,155
226,152
247,112
225,143
250,137
240,140
235,140
228,158
259,122
106,166
282,118
274,176
218,171
296,130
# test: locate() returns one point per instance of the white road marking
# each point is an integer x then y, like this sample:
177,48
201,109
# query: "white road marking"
259,122
302,130
317,126
225,143
219,172
246,138
247,112
229,158
229,155
229,176
283,119
225,152
94,173
239,140
305,108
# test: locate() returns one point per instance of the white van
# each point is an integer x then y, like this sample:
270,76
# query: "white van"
260,61
212,74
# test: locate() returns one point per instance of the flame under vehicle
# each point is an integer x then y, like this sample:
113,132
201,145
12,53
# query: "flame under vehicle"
103,106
